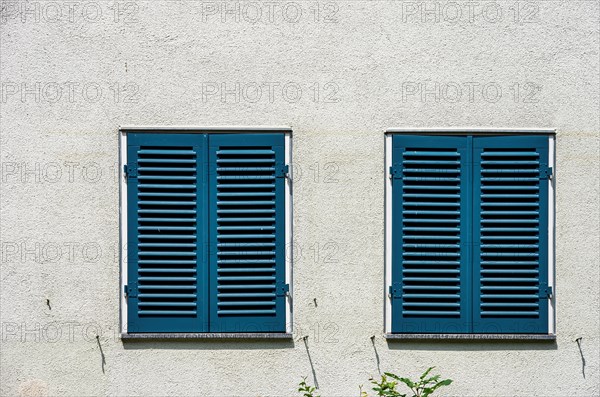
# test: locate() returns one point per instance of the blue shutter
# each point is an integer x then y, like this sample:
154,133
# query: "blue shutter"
247,229
430,232
167,286
510,228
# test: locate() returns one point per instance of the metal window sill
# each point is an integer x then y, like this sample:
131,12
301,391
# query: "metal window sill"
208,336
206,129
472,131
523,337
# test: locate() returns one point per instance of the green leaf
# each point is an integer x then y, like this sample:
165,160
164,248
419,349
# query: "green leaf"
426,372
408,382
391,375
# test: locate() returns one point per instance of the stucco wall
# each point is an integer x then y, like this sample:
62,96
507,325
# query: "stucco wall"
165,62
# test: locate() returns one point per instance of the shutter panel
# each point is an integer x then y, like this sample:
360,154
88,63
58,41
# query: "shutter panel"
167,289
247,229
510,228
430,230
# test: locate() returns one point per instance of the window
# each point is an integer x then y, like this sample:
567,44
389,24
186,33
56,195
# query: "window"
469,234
206,222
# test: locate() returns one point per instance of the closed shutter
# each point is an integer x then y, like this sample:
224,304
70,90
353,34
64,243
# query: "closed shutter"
430,289
510,234
166,286
247,228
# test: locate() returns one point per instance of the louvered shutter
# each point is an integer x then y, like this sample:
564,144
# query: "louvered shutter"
166,286
430,289
247,229
510,234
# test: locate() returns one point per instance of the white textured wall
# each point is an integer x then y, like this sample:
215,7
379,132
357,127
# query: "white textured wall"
59,211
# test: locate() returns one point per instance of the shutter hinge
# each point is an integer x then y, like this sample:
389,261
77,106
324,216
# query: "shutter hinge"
130,171
282,171
395,172
131,290
546,291
395,291
283,289
545,172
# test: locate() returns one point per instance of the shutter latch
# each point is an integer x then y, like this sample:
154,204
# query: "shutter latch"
546,291
130,171
282,171
282,289
545,172
395,291
395,172
131,290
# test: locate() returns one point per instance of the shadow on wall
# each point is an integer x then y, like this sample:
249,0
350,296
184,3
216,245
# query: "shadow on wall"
470,345
213,344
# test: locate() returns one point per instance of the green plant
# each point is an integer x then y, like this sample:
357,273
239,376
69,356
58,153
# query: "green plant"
306,389
362,393
425,386
386,388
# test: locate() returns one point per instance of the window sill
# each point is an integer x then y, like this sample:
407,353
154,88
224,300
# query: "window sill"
524,337
208,335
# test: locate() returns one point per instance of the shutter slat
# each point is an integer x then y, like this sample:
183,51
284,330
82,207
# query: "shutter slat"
167,178
165,185
244,261
232,245
241,211
170,313
246,236
246,312
247,270
245,161
174,296
269,154
431,271
170,303
245,295
178,194
429,212
241,303
159,160
177,152
242,170
167,169
425,153
248,287
429,313
167,203
168,236
244,177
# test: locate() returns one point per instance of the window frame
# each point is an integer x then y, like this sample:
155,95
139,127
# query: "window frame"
388,150
123,226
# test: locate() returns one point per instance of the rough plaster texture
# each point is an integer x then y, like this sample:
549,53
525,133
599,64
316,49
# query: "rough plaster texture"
57,212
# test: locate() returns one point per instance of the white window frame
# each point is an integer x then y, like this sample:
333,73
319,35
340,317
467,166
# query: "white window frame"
551,133
124,130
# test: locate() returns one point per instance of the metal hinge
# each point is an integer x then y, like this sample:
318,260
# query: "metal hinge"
546,291
282,171
545,172
395,172
395,291
282,289
130,171
131,290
